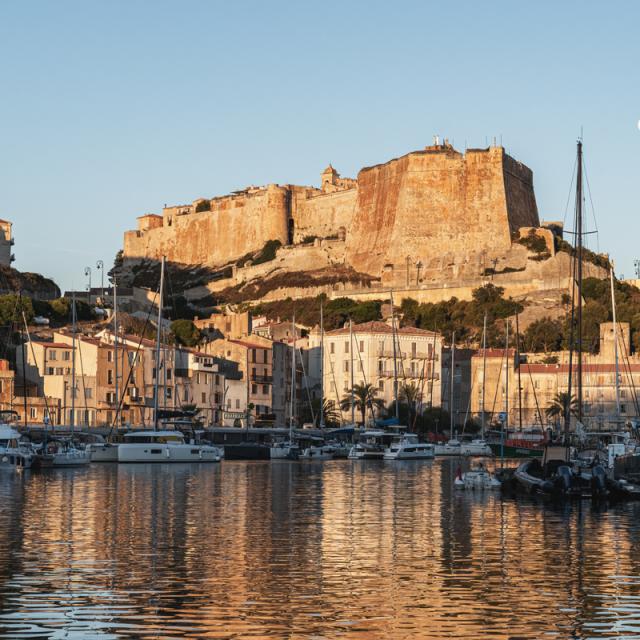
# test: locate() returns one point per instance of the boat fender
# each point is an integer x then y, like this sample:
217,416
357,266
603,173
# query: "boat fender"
5,459
166,452
564,478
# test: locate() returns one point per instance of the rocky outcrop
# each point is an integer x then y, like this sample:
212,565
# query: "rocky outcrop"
32,285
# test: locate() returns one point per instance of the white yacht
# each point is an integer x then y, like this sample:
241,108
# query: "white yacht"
13,453
478,478
371,446
451,448
284,450
475,448
406,446
164,446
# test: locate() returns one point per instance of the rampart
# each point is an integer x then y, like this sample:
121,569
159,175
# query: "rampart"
428,212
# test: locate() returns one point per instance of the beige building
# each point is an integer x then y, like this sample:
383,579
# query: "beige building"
534,385
6,243
366,355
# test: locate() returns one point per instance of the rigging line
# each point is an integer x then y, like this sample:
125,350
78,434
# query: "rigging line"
535,395
566,208
593,209
306,385
134,363
335,387
495,397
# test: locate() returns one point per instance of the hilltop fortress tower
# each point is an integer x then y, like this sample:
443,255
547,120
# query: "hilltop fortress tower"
435,208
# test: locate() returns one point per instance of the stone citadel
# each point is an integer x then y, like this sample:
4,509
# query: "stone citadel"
430,224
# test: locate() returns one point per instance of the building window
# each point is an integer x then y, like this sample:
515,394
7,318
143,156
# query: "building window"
346,347
204,398
253,355
237,403
346,366
254,389
623,408
168,391
66,355
361,346
168,374
109,356
217,379
88,392
381,384
380,366
265,389
197,378
52,355
253,373
414,349
623,393
33,413
266,356
185,395
110,376
332,347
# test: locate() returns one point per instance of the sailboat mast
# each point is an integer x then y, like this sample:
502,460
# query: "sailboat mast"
395,359
293,380
73,361
321,420
484,367
115,346
615,342
579,271
517,363
453,358
24,367
353,401
157,378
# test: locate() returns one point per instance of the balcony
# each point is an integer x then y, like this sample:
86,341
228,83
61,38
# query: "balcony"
262,379
404,355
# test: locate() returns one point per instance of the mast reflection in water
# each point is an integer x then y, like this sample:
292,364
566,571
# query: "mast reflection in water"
349,549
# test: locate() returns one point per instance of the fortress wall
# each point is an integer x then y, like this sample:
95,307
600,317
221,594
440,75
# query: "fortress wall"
323,214
432,206
233,227
521,200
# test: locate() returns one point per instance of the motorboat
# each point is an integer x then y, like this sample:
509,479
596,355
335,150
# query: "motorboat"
14,454
103,451
477,478
284,450
317,452
164,446
370,446
450,448
406,446
475,448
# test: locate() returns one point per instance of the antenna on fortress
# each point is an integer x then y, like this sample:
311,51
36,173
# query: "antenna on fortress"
500,139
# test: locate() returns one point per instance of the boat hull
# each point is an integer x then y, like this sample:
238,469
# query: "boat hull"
15,460
104,452
157,452
514,451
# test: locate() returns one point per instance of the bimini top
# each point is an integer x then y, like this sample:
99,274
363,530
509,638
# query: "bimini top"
8,433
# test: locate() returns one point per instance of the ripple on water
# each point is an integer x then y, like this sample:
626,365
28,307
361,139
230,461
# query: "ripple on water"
316,551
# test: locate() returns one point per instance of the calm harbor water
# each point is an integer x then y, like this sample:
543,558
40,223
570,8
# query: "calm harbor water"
293,550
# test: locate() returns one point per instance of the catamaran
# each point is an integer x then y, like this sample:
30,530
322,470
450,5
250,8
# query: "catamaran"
406,446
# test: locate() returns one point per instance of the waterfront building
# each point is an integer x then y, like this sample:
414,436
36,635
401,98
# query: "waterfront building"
536,381
365,354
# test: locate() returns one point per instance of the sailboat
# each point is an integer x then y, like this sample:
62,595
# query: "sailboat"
62,451
163,445
288,449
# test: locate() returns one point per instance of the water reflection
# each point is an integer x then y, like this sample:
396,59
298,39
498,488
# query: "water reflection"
360,550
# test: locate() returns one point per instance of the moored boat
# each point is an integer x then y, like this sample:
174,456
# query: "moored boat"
406,446
164,446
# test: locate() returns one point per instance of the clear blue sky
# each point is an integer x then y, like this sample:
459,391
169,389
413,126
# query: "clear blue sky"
112,109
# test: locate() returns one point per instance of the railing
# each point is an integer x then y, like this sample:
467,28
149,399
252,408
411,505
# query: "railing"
262,379
404,355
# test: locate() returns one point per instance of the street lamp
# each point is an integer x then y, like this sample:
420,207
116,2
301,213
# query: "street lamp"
100,267
87,272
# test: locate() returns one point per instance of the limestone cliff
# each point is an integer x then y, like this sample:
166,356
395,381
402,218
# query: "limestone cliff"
32,285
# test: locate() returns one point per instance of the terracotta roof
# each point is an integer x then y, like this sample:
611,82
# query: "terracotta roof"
251,345
376,326
54,345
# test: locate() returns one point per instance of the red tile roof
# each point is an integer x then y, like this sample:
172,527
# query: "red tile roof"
376,326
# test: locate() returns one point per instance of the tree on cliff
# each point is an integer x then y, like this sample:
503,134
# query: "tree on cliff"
543,335
185,333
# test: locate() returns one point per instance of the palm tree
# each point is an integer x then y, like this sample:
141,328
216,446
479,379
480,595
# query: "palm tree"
411,395
364,396
559,404
329,412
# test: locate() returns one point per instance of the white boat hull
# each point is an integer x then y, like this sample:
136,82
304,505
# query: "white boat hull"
358,453
410,453
317,453
73,458
104,452
15,460
166,452
284,452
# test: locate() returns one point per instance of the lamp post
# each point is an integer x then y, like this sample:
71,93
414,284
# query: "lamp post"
100,267
87,272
